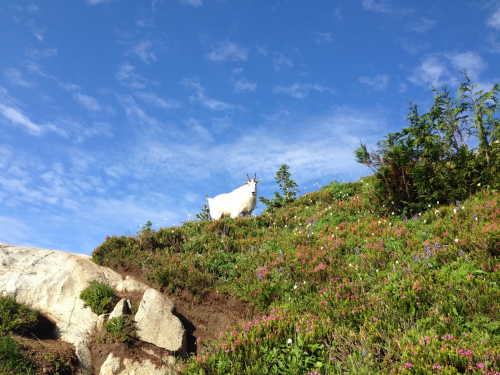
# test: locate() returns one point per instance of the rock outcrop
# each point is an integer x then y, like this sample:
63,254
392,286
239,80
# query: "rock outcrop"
51,281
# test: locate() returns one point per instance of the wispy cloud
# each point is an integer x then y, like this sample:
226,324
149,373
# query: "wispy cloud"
15,77
127,76
157,101
37,54
141,50
432,71
322,38
493,43
95,2
494,20
414,47
300,91
468,61
435,69
92,104
18,118
243,85
280,61
227,51
379,82
135,114
381,6
37,32
198,129
193,3
422,25
203,99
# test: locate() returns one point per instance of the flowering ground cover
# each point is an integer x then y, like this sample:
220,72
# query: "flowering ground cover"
342,290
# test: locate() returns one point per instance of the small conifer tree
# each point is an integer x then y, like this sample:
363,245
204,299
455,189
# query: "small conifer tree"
288,186
204,215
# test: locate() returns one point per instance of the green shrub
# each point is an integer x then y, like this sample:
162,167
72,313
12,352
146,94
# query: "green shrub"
430,161
99,297
16,317
11,359
121,328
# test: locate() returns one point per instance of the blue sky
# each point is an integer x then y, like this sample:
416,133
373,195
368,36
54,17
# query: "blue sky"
113,113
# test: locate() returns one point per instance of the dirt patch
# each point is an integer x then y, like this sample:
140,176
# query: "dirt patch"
135,351
205,316
49,354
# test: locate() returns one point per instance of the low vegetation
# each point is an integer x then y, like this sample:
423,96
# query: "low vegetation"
18,320
99,296
383,275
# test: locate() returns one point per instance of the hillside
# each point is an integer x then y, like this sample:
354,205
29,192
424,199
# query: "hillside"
330,287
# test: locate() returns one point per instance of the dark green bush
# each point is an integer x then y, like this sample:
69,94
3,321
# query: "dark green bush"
99,296
432,160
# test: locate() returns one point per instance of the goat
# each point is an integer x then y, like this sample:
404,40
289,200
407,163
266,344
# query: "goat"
240,201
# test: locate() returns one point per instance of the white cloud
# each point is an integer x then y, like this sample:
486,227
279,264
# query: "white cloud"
37,32
142,51
198,129
281,61
494,20
95,2
194,3
243,85
91,103
423,25
469,61
435,69
156,101
322,38
17,118
432,71
300,91
227,51
494,44
379,82
221,124
203,99
135,114
127,76
15,77
381,6
41,54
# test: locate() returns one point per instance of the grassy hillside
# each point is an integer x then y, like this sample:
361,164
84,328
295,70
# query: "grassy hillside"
341,290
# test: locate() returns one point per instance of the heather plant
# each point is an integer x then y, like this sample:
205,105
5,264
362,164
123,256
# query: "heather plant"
351,288
99,296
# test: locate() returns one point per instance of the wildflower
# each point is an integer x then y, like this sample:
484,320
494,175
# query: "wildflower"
460,253
456,239
295,286
375,320
479,184
429,206
289,341
260,276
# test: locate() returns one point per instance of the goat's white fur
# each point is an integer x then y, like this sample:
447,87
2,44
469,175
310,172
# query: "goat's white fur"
240,201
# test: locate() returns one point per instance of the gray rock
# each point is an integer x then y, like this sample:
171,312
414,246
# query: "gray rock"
157,324
146,367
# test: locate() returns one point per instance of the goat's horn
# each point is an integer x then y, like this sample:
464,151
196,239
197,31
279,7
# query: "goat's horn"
254,177
249,178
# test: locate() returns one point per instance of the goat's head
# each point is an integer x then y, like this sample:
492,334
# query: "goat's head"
252,184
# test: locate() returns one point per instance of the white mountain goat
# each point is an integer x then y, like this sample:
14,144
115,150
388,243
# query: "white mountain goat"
239,201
